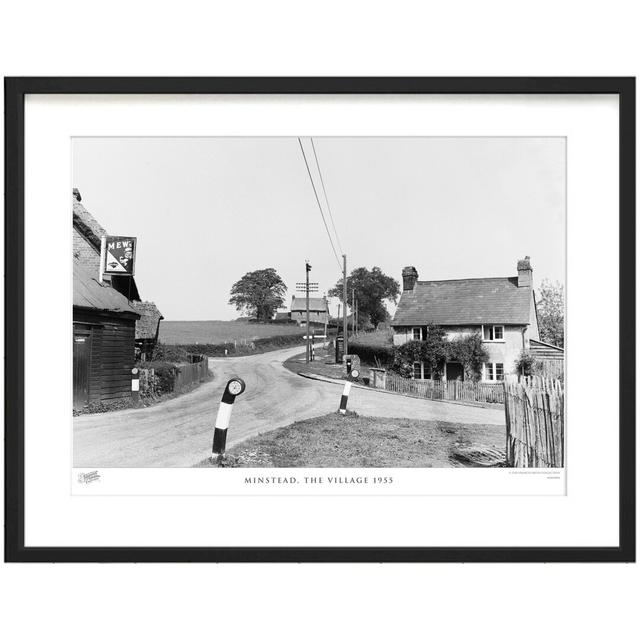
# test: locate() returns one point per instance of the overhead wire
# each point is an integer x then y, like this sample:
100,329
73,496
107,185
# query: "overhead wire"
324,191
315,191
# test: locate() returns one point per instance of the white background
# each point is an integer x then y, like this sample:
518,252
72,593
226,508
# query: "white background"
373,38
586,516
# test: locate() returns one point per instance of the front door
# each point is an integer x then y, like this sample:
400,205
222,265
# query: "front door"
455,371
81,359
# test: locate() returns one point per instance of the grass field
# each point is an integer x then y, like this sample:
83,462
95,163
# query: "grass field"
360,441
220,331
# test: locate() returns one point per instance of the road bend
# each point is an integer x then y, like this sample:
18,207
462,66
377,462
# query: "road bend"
179,432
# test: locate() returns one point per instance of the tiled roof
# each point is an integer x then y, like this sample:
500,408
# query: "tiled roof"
465,302
88,293
147,324
315,304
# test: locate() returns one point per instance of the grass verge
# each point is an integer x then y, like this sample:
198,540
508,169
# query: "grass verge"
357,441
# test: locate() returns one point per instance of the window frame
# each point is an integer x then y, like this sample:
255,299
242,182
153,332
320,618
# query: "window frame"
492,328
413,333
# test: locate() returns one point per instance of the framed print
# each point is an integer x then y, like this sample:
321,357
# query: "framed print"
320,319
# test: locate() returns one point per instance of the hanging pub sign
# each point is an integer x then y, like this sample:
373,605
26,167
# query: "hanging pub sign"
119,255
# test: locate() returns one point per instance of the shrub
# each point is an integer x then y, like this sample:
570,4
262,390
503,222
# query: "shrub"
435,350
526,364
165,374
470,352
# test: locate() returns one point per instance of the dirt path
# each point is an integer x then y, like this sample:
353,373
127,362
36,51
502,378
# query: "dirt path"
178,433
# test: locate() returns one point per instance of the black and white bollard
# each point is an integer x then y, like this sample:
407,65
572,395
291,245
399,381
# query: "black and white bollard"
135,387
345,392
234,388
345,397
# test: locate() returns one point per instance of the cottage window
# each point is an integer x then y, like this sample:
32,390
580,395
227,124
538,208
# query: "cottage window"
417,370
493,333
494,371
417,333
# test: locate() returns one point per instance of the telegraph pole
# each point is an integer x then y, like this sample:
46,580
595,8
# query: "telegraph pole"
306,287
353,311
344,298
357,318
307,269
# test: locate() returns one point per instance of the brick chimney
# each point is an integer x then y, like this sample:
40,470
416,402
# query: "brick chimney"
525,273
409,278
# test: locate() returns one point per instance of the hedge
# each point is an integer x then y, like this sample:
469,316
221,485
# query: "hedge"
178,352
370,353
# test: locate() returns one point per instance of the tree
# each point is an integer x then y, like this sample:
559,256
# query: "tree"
259,293
551,312
372,288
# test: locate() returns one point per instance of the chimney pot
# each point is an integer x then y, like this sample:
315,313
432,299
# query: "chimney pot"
409,278
525,272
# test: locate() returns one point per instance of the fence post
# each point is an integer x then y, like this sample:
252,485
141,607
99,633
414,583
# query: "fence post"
135,387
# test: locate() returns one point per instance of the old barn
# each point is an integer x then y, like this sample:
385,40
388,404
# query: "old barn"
104,325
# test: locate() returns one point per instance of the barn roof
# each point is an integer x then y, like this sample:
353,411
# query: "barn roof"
315,304
471,301
147,323
88,293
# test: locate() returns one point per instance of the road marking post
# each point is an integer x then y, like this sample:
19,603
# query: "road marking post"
345,397
135,387
235,386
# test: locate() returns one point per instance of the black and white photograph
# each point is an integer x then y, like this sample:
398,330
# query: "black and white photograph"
318,302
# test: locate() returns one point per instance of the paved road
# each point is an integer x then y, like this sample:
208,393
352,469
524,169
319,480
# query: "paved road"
178,432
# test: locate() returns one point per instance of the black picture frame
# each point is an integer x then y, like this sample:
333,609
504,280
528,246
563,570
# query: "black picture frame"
15,91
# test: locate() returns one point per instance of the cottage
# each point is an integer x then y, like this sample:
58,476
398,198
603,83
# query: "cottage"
502,310
318,310
103,340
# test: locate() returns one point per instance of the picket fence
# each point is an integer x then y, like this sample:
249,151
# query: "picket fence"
534,412
443,390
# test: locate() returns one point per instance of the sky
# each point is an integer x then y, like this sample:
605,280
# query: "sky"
206,211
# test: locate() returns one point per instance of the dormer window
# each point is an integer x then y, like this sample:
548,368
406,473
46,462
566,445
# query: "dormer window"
493,333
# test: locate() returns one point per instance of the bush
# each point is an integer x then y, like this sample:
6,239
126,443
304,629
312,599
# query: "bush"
436,349
526,364
165,374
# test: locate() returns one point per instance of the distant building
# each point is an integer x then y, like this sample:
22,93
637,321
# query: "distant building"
502,310
318,310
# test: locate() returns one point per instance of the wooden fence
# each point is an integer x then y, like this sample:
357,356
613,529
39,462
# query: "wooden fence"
442,390
187,374
534,411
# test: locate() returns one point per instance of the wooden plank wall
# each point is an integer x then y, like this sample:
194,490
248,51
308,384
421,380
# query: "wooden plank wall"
112,353
117,360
